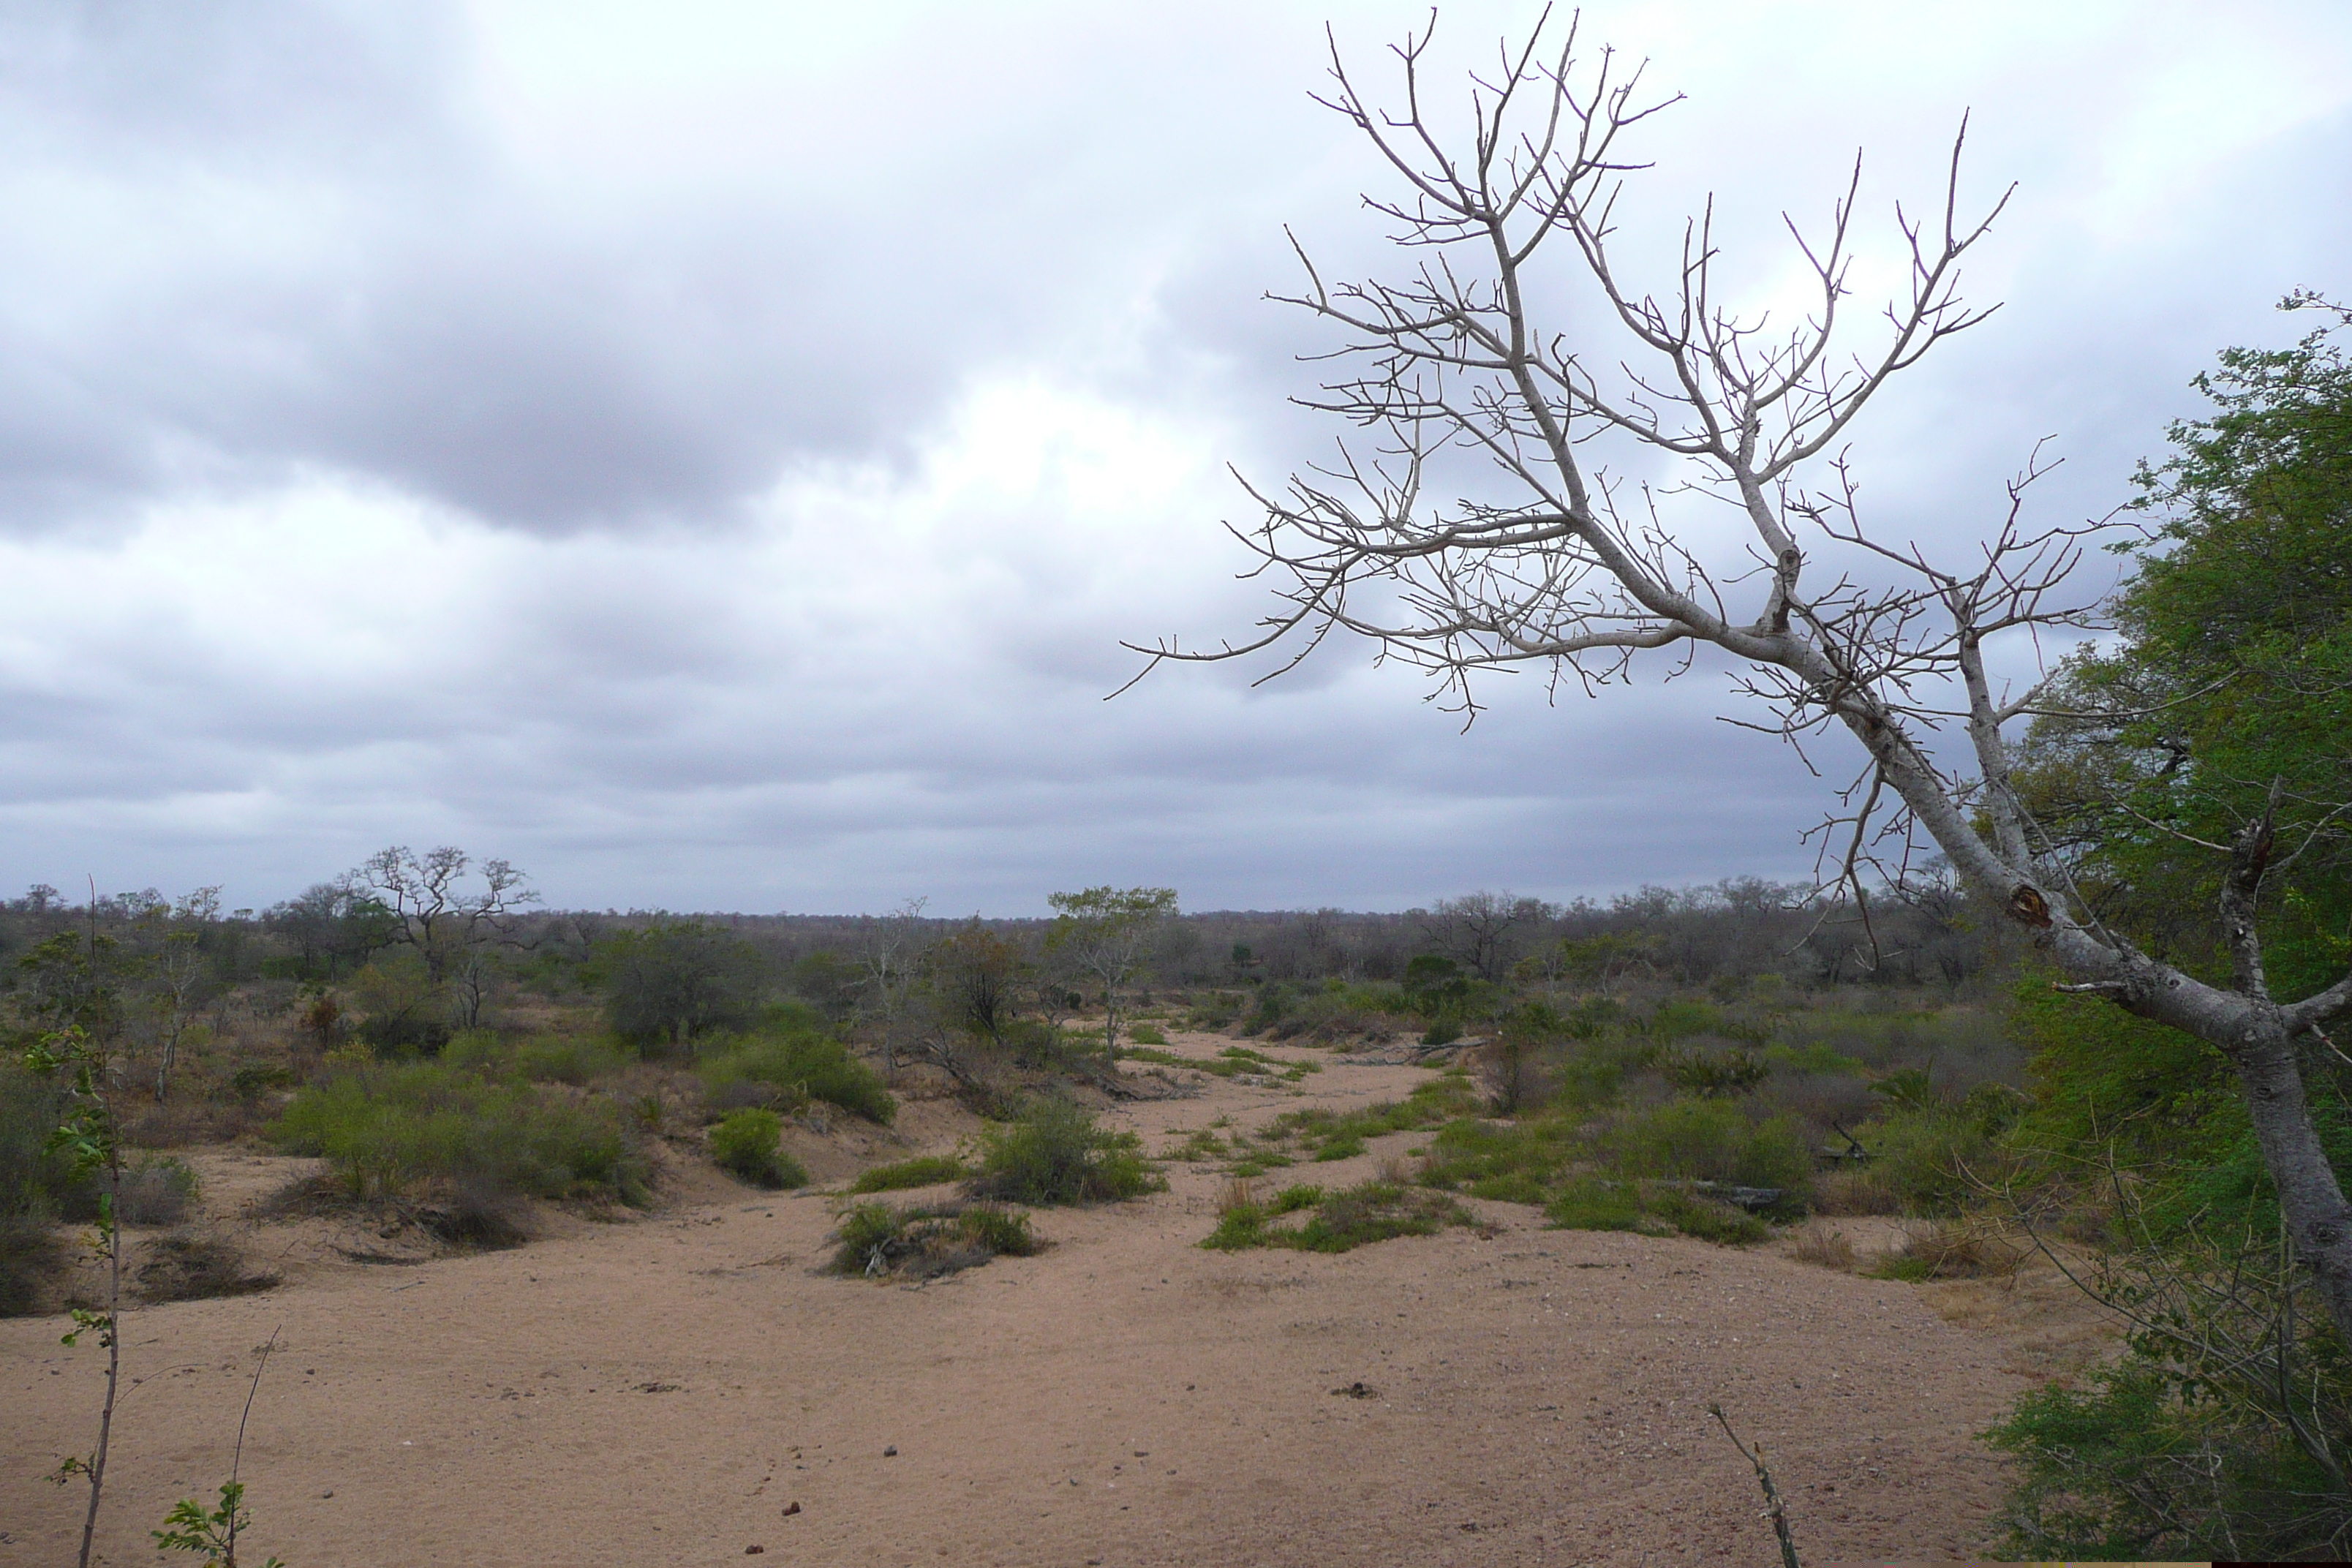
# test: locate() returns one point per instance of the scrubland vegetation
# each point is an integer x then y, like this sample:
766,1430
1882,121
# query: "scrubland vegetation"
1717,1063
1728,1063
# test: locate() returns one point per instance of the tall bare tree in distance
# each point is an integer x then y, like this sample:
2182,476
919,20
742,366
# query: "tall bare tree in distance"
1453,369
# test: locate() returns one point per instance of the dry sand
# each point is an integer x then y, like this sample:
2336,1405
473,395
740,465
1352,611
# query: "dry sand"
662,1390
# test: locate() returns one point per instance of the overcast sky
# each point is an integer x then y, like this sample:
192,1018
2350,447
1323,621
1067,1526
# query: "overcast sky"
709,454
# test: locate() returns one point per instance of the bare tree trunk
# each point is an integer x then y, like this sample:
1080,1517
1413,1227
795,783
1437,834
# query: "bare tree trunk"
1543,568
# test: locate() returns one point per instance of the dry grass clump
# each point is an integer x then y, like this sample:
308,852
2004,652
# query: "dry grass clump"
1824,1246
196,1266
1971,1248
1855,1188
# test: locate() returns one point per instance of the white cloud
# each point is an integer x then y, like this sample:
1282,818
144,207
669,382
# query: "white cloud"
712,456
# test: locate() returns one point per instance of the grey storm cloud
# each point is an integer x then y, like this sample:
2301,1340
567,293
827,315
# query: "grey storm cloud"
711,455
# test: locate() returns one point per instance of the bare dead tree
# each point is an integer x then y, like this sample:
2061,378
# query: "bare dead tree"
1450,367
450,924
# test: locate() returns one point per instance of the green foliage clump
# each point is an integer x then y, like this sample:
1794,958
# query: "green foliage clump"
1709,1140
1335,1222
789,1063
1054,1153
1515,1162
922,1171
748,1144
1591,1204
39,1180
386,1128
670,981
2131,1464
1336,1135
874,1239
1146,1034
1655,1208
1231,1062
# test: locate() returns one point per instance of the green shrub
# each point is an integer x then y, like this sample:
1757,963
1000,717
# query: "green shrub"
1335,1222
1704,1218
1659,1208
1146,1034
923,1171
1722,1074
386,1129
874,1239
571,1058
1513,1161
1054,1154
748,1143
406,1014
1932,1161
786,1069
1589,1204
2128,1467
1709,1139
38,1179
1239,1227
672,980
1437,1099
249,1080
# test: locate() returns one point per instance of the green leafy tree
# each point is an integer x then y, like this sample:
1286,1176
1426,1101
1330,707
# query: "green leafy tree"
1104,933
673,980
2229,702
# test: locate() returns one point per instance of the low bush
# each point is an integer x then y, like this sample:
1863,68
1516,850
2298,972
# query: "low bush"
1655,1208
386,1128
1054,1153
1515,1162
1825,1247
252,1079
923,1171
38,1179
31,1259
1146,1034
1438,1099
2132,1465
192,1265
156,1189
874,1239
571,1058
1232,1062
1591,1204
1932,1161
1335,1222
791,1068
748,1144
1709,1140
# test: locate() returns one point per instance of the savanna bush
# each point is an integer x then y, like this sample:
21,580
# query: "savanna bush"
1054,1152
795,1065
873,1238
922,1171
386,1128
1709,1140
749,1144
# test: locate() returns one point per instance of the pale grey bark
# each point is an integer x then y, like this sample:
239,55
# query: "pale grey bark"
1543,568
